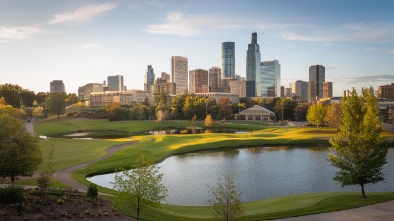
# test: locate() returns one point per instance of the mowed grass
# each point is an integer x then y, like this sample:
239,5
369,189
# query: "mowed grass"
163,146
275,208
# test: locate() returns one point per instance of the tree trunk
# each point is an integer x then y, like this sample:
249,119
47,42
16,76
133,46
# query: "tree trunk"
362,191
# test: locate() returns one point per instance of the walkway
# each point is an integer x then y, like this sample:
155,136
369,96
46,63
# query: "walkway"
380,211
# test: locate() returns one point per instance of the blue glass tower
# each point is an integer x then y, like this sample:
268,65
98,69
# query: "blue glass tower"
228,60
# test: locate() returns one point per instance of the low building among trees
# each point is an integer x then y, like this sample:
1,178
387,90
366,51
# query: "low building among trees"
257,113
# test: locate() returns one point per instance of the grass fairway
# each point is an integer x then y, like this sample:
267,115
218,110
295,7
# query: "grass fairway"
281,207
70,152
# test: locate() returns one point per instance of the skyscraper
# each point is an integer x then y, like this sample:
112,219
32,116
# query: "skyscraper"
316,79
179,72
214,79
115,83
149,78
269,79
253,59
300,89
228,60
57,86
197,78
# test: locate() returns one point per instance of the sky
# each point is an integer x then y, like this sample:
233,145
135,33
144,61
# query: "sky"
85,41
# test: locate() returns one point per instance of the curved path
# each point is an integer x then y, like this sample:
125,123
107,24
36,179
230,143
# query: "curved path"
64,175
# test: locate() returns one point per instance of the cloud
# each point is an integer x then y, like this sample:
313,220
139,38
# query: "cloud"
379,32
371,49
8,33
178,23
83,14
89,46
363,80
391,52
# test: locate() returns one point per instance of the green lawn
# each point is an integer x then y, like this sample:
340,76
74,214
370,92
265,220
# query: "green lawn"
69,152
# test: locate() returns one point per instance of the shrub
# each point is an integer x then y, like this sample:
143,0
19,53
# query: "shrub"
92,191
12,194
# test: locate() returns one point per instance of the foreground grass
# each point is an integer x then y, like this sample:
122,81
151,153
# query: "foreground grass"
275,208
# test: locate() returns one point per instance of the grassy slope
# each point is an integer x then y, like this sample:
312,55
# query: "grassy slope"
162,146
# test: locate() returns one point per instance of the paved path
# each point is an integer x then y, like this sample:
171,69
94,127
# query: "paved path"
64,175
380,211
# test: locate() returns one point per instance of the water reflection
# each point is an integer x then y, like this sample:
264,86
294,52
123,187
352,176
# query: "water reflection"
258,173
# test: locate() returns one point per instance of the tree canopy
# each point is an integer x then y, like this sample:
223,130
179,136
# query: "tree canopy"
357,150
316,114
19,151
56,103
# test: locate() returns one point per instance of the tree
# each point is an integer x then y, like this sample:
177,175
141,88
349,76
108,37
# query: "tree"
141,187
333,117
161,115
38,112
225,107
316,114
20,152
357,150
46,173
208,121
71,99
226,201
56,103
301,111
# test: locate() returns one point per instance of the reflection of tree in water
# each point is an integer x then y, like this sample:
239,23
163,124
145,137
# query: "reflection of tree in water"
263,149
318,149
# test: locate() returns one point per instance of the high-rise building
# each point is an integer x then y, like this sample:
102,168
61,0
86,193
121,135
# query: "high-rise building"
238,87
300,89
327,89
253,66
57,86
149,78
228,60
197,78
386,91
316,79
115,83
214,79
179,72
165,76
163,85
269,79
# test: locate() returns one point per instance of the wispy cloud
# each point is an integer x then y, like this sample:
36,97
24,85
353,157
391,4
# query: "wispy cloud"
89,46
371,49
362,80
83,14
8,33
360,32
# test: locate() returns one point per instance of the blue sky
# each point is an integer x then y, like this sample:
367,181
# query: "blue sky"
83,42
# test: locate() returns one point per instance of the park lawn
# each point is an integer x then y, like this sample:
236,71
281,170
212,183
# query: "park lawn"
274,208
62,126
33,182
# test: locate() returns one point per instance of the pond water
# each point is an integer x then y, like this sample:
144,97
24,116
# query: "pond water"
259,173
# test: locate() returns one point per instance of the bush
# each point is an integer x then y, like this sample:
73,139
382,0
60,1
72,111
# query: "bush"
92,191
11,194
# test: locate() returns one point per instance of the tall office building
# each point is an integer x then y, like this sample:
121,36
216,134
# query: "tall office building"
253,60
327,89
115,83
269,79
300,89
316,79
214,79
179,72
57,86
165,76
197,78
149,78
386,91
85,91
228,60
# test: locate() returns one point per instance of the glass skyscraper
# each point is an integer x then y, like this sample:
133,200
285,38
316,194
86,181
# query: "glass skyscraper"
149,78
228,60
253,60
115,83
270,79
179,73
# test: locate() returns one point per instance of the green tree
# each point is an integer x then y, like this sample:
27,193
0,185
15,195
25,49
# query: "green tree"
20,152
333,116
71,99
316,114
357,150
46,173
226,201
141,187
56,103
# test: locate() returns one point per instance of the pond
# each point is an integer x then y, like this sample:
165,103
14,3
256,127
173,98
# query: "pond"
259,173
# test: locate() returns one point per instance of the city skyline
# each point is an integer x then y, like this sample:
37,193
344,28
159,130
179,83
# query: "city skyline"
81,42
